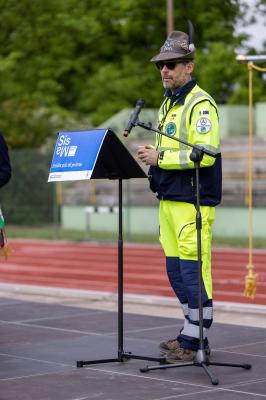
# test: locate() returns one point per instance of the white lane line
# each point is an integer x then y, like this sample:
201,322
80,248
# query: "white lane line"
186,394
147,329
240,345
55,317
35,359
86,333
242,392
244,383
33,375
242,354
147,377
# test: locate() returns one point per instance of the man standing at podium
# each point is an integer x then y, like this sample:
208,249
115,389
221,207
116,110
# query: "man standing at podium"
188,113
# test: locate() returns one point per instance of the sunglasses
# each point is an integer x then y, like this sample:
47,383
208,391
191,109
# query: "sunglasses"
169,65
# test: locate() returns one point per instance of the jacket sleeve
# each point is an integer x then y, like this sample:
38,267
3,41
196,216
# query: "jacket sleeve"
203,129
5,167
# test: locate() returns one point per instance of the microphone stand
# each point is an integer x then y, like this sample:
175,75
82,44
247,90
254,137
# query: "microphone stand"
201,359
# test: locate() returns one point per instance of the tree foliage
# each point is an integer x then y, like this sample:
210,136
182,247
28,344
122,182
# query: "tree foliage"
65,61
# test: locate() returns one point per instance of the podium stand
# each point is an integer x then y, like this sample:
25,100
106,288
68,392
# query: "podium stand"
99,154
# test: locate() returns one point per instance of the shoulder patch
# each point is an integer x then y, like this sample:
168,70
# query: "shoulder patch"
203,125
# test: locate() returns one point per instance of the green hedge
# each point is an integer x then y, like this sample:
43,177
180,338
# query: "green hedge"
28,198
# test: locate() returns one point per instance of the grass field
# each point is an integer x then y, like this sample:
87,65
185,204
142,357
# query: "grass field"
51,232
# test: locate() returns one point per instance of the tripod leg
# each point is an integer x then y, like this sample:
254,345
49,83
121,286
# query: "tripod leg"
245,366
213,378
80,363
166,366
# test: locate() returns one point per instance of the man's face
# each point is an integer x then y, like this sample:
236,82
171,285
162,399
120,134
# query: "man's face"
175,74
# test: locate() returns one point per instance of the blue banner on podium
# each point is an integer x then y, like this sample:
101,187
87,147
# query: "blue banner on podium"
75,155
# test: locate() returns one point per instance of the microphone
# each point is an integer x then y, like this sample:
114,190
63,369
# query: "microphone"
134,117
242,59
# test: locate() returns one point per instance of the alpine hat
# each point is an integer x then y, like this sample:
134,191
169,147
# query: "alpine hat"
178,45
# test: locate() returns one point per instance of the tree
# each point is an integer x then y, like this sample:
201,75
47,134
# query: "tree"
65,63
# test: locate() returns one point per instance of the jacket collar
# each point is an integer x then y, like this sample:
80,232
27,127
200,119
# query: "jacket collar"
178,97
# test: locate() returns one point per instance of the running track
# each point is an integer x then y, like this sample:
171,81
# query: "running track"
93,266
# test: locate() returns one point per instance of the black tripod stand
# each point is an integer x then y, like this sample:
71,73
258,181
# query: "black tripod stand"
116,163
201,358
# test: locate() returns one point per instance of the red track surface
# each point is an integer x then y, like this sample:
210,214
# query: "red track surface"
94,266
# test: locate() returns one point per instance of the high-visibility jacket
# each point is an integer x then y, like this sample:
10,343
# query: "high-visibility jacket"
195,121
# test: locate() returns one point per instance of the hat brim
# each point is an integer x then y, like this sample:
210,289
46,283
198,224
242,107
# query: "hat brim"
168,56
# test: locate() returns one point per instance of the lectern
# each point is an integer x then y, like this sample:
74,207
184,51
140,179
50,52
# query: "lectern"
99,154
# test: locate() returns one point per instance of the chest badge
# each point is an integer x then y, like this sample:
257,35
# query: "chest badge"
170,128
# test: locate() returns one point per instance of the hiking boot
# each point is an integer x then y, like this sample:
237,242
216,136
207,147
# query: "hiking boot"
180,355
174,344
169,345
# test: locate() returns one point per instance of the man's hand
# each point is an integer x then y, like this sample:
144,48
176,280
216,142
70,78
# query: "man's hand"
148,155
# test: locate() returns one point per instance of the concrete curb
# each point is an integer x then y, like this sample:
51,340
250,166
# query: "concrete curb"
144,300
